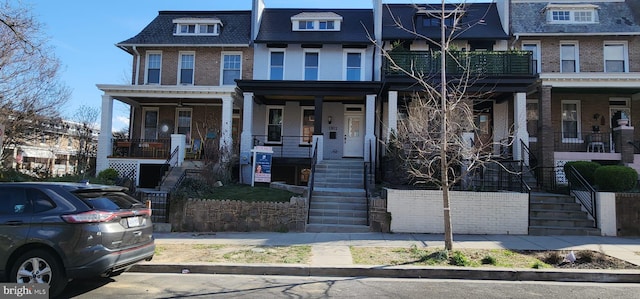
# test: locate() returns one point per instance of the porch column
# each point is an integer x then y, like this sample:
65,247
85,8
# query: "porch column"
392,122
226,140
318,138
370,136
520,126
546,136
246,139
178,140
105,139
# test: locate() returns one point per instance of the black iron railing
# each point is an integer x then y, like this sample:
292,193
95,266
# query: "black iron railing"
141,148
312,176
479,63
368,173
598,142
167,166
583,191
286,146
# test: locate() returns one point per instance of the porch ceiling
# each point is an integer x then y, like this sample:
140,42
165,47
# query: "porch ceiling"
335,90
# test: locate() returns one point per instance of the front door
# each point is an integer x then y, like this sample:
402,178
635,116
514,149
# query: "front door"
354,135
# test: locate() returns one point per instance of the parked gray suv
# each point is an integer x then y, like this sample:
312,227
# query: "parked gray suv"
54,232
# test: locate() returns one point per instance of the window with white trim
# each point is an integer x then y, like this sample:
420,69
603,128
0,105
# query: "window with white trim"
275,117
311,65
569,58
571,120
154,63
183,122
150,123
572,13
316,21
615,57
534,47
231,68
186,70
307,125
533,115
197,26
353,66
276,65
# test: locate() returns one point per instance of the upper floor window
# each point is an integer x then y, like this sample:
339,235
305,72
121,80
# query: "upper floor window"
231,68
615,57
154,61
353,71
311,63
433,18
276,65
197,26
186,71
315,21
569,58
534,47
572,13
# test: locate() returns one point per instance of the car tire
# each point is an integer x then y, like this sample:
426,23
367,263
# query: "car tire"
40,266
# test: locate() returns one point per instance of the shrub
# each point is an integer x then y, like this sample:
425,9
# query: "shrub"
489,260
585,168
108,176
459,259
616,178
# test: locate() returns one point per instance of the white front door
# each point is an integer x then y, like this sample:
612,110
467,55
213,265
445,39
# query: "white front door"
354,135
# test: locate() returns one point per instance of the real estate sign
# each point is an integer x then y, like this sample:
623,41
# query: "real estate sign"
262,164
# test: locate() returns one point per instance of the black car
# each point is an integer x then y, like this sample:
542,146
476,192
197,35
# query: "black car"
54,232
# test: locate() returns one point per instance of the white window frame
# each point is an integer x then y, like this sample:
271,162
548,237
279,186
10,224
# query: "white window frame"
144,121
625,54
267,125
193,74
177,123
533,138
578,122
295,24
576,53
198,25
573,11
284,56
344,63
536,55
146,71
304,64
222,69
302,109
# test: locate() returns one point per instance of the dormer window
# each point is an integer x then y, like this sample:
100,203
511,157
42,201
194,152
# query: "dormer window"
316,21
432,18
571,13
197,26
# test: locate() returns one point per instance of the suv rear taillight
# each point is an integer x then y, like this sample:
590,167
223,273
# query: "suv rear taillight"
90,217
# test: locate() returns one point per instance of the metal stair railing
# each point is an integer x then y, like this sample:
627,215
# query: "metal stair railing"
314,161
583,191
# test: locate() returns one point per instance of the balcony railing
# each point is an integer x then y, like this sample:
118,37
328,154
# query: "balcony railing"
477,63
597,142
286,146
142,148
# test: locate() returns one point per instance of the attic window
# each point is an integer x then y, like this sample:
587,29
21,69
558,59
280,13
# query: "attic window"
197,26
432,18
316,21
571,13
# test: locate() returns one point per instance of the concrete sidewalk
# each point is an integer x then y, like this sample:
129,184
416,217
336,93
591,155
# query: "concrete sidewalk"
331,255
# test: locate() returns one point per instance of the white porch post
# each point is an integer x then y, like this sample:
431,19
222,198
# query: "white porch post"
246,139
105,139
180,141
520,124
370,137
392,121
226,140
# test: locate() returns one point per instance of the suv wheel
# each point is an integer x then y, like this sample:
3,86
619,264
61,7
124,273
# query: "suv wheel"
39,266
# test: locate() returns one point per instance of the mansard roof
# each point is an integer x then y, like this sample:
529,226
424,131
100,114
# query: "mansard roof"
276,27
529,18
236,29
480,21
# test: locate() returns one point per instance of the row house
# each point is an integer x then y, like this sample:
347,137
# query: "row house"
185,64
587,56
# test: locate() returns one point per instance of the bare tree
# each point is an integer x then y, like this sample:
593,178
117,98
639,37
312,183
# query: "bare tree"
30,90
85,133
436,140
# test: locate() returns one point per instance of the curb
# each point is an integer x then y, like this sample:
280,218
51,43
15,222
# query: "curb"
506,274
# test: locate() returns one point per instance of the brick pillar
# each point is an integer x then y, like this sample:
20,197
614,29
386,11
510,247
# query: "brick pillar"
621,137
546,135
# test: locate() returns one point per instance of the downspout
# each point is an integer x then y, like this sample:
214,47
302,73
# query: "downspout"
135,77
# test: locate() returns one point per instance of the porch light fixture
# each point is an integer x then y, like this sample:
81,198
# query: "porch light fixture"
329,119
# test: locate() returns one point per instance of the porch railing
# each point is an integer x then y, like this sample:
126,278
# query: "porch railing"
599,142
286,146
141,148
485,63
312,176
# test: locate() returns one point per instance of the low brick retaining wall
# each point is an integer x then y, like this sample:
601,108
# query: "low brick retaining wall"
202,215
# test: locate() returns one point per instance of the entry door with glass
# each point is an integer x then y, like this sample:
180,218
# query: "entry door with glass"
354,135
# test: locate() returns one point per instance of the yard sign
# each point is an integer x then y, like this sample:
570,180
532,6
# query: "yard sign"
261,164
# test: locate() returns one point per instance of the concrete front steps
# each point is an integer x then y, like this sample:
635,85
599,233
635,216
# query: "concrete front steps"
338,202
557,214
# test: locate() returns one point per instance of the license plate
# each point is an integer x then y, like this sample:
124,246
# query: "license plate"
133,221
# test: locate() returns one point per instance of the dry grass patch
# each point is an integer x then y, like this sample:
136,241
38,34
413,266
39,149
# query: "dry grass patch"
211,253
